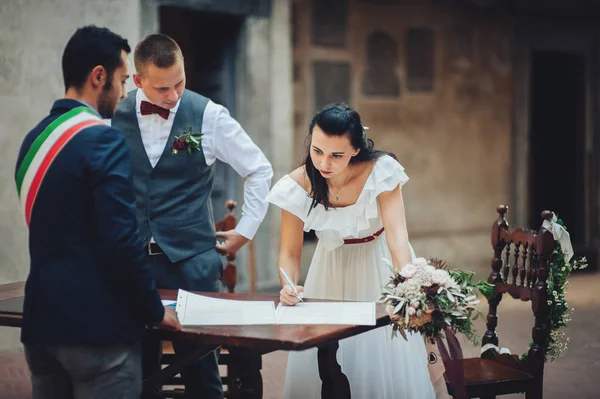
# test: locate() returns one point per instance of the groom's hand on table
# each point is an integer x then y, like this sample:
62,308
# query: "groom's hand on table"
288,297
232,242
170,320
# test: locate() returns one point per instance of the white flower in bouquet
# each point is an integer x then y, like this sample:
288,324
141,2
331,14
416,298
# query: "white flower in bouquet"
408,270
413,287
451,284
400,290
420,262
415,303
423,276
439,276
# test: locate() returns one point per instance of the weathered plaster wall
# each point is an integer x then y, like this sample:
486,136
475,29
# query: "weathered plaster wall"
33,34
454,141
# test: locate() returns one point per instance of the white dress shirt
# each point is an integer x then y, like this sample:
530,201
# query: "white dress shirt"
223,139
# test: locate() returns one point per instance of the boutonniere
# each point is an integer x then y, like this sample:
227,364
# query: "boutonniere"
189,141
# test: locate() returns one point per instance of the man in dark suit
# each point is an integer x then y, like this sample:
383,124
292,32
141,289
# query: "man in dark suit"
89,293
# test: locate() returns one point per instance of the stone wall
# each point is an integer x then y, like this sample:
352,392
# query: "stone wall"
446,113
33,34
265,111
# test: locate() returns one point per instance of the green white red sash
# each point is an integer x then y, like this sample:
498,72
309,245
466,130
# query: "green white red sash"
45,149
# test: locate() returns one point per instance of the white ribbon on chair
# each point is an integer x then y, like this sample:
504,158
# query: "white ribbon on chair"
561,235
501,351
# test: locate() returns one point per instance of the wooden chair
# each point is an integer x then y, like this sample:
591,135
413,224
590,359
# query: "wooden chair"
230,270
520,269
229,279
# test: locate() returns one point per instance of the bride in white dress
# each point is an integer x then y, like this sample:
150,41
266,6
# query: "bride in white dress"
347,191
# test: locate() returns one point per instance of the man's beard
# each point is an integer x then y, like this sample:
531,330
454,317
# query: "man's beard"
106,105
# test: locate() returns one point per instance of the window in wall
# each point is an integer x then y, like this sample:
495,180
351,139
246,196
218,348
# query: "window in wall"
381,65
462,44
420,59
329,19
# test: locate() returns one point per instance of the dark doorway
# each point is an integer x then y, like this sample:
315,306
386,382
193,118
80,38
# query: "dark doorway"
209,42
558,112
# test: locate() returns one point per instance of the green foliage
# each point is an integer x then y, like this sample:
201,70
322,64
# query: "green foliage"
560,311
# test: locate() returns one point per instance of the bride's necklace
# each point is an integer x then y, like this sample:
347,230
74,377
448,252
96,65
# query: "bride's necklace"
337,196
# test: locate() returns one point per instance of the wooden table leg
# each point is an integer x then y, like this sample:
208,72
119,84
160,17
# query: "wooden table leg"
335,383
245,379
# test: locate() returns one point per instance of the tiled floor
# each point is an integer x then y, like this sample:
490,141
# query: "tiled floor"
14,377
15,383
575,375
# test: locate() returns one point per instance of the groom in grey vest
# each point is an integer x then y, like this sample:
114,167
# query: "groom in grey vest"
173,180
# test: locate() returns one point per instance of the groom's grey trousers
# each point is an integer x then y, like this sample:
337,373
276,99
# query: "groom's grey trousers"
198,273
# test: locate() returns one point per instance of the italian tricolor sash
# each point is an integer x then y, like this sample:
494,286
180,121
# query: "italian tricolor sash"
45,149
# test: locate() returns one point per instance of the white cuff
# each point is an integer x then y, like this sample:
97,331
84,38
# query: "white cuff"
247,226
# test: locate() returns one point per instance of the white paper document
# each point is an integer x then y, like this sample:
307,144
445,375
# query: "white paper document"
199,310
356,313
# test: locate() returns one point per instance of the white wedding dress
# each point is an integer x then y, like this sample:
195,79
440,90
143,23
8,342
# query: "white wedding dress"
377,365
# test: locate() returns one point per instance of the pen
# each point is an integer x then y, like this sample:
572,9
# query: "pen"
289,282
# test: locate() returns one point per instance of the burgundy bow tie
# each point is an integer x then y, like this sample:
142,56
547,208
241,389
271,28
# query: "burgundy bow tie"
147,108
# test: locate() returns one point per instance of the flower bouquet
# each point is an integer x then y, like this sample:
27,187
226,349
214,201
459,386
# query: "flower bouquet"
426,298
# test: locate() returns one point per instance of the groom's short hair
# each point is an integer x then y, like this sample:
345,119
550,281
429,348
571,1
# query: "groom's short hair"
156,49
89,47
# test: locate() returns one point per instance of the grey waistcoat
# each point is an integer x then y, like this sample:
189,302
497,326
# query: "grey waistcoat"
173,198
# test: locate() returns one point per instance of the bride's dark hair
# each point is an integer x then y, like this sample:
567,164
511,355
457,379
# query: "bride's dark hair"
337,120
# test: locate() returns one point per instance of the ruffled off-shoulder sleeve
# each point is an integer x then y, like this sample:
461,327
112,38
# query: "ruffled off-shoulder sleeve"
289,195
387,174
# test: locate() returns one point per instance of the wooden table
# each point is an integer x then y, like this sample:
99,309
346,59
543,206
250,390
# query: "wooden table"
246,345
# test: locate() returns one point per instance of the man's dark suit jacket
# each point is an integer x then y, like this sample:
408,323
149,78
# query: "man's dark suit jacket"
89,282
